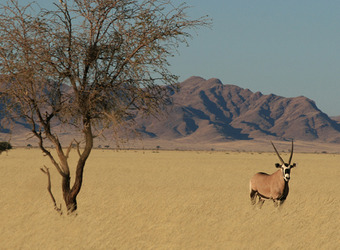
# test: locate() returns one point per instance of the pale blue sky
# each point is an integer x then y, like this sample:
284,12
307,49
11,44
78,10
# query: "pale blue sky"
286,47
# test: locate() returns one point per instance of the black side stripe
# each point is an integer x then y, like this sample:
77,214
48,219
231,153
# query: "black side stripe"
263,196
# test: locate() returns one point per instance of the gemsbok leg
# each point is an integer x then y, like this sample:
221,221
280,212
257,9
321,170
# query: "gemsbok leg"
253,197
261,201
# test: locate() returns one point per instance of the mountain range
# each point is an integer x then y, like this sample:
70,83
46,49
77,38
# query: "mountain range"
208,111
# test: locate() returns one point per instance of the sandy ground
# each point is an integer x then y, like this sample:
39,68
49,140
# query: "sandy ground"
255,145
258,145
170,200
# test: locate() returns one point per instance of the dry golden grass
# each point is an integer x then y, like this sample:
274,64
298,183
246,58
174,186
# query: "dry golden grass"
170,200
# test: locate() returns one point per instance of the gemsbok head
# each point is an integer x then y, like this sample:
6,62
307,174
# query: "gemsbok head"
272,186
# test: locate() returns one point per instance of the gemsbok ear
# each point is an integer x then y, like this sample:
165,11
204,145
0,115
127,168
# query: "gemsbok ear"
277,165
294,165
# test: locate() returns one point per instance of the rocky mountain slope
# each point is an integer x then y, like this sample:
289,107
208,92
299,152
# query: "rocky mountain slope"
207,110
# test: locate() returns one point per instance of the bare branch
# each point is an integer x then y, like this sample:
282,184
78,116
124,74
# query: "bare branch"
69,149
78,147
46,171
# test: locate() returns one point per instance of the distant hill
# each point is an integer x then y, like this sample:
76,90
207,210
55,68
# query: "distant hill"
207,111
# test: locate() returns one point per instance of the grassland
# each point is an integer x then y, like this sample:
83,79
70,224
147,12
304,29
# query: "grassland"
170,200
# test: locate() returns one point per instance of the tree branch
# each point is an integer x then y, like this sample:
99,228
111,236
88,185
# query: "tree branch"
78,149
46,171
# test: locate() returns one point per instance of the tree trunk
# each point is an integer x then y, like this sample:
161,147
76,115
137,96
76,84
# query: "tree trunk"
71,204
70,200
70,194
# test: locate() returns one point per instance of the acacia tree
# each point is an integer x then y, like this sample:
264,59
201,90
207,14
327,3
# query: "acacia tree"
90,64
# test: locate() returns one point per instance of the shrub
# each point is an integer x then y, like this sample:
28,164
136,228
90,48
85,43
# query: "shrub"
4,146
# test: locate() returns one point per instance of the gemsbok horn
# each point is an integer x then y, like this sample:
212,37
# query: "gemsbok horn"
273,186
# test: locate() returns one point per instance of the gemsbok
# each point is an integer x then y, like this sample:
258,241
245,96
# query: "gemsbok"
272,186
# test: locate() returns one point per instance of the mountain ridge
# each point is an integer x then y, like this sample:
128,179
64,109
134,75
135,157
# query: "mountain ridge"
208,111
228,112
